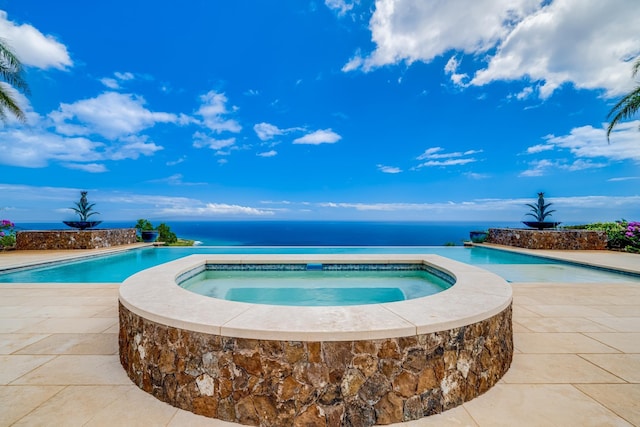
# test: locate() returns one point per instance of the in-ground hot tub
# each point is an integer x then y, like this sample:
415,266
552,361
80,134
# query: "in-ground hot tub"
261,364
316,284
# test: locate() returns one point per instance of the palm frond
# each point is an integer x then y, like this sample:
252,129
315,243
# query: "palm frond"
636,67
625,108
9,103
11,69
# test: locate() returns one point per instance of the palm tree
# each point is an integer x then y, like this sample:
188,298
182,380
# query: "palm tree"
627,106
11,72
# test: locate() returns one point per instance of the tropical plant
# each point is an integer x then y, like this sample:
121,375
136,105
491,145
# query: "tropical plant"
83,208
144,225
540,210
622,235
11,72
627,106
632,233
7,233
164,231
166,235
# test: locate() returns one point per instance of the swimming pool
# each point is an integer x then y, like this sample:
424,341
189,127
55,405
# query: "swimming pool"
117,267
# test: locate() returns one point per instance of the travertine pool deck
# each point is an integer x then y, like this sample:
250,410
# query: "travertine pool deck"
576,361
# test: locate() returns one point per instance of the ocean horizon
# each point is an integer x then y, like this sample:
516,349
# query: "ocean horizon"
311,233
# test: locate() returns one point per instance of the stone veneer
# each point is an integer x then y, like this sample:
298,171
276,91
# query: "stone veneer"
74,239
548,239
325,383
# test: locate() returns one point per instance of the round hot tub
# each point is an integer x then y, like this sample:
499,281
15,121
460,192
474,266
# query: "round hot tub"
260,364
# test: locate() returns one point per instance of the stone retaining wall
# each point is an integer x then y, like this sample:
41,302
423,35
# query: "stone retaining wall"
74,239
343,383
548,239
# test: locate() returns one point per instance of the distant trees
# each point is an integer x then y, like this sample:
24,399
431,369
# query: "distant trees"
627,106
11,72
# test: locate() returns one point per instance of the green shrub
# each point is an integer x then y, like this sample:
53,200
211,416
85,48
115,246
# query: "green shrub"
7,233
164,231
621,235
144,224
166,235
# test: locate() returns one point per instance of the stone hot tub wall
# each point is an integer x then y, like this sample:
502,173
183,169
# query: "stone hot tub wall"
282,383
549,239
75,239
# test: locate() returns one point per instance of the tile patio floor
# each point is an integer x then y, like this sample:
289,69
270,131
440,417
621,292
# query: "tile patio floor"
576,363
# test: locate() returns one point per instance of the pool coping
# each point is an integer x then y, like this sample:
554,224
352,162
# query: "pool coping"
476,295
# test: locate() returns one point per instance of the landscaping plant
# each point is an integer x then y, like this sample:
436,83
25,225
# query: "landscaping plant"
7,233
633,235
540,210
164,231
621,235
83,208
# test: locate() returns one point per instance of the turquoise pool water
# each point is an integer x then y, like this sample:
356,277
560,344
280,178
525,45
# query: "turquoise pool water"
315,287
116,268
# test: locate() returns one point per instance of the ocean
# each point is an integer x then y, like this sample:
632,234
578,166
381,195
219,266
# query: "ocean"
311,233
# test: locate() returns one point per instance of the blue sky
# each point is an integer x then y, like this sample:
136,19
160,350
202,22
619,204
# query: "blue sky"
334,110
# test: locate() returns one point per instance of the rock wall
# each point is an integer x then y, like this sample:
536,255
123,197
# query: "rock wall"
287,383
74,239
549,239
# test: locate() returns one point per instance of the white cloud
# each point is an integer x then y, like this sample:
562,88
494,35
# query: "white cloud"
176,180
451,68
340,6
540,148
271,153
124,76
524,93
581,42
88,167
586,143
176,162
389,169
326,136
114,83
450,162
110,83
538,168
111,114
585,43
35,146
354,63
32,148
474,175
409,30
624,178
132,147
429,152
434,153
580,164
266,131
222,209
204,141
213,111
32,47
435,157
595,206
